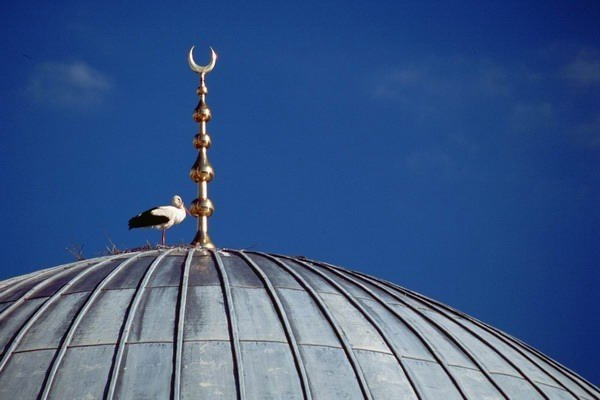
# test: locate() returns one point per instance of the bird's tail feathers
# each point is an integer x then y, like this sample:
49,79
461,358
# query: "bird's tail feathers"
135,222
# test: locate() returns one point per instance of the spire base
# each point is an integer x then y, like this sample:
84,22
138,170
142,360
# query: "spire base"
203,240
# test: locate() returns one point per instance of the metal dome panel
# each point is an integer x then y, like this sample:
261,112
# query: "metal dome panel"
199,324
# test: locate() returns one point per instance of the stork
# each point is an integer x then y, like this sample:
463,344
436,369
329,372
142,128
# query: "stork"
162,217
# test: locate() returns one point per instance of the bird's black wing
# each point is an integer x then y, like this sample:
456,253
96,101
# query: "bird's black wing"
147,219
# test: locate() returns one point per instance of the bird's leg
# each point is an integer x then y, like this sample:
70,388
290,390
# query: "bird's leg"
163,237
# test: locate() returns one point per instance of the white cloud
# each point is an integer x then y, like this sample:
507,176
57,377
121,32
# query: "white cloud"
584,70
456,78
68,85
445,94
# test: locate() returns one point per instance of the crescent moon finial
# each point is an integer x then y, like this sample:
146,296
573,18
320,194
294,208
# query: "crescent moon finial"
198,68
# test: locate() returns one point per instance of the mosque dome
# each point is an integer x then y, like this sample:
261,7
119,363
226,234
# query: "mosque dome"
194,323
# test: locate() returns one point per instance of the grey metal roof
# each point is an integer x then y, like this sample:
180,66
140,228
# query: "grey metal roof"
189,324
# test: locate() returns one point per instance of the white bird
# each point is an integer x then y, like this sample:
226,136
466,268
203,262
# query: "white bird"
162,217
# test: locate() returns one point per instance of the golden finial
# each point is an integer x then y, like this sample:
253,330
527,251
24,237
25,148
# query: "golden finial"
202,172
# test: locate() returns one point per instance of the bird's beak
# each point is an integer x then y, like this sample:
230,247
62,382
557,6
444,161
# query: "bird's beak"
187,211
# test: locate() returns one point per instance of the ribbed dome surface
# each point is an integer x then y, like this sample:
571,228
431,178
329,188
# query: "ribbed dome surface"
189,324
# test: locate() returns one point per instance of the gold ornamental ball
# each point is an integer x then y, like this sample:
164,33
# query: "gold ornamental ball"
202,208
202,173
194,176
206,171
201,90
202,114
202,141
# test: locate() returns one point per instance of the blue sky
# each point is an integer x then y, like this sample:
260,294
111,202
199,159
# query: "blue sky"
450,147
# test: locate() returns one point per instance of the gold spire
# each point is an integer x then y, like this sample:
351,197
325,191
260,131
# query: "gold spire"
202,172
